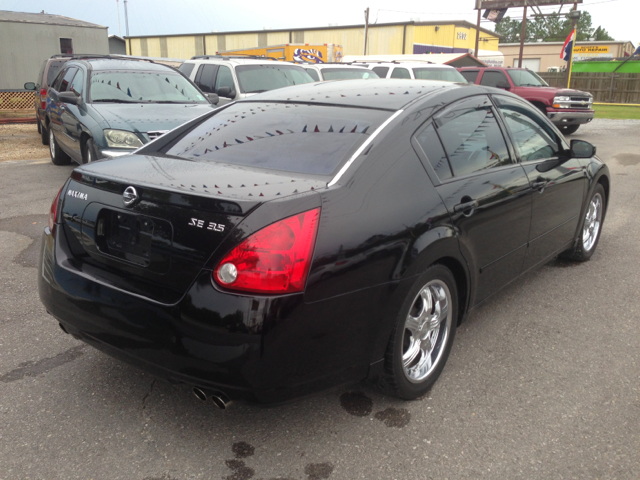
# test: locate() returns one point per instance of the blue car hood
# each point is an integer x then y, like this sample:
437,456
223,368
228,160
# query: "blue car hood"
149,117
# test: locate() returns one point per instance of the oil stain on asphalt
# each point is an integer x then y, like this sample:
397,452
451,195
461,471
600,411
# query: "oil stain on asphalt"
394,417
318,471
356,403
35,368
30,226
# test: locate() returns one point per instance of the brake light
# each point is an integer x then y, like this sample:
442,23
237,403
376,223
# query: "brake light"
275,259
43,98
53,212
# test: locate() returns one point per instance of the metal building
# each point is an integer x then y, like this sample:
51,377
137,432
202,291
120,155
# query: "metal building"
28,39
383,39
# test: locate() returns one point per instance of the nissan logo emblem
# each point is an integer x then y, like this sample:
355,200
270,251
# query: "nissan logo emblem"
129,196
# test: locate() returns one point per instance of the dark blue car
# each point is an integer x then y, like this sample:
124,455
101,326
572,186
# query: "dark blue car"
107,107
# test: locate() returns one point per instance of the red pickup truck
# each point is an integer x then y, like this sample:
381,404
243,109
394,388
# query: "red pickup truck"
566,108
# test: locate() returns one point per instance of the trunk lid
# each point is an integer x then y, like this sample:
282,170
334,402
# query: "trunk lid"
157,245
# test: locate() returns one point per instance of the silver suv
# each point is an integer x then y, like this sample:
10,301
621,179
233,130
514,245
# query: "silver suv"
236,77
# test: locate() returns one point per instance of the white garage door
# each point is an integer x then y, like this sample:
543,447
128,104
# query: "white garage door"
530,63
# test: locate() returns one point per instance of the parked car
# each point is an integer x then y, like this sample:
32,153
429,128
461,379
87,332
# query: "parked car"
237,77
416,71
566,108
321,72
48,72
204,256
108,107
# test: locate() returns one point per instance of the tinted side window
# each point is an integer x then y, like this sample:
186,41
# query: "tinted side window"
54,70
206,77
225,79
187,68
532,135
66,79
400,73
381,71
77,84
471,137
470,75
313,73
432,148
493,78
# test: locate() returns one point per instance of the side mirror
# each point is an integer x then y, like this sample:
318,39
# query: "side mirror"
69,97
503,85
213,98
226,92
582,149
29,86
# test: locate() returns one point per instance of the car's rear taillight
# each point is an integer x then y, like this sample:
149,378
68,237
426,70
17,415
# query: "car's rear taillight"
53,212
43,98
275,259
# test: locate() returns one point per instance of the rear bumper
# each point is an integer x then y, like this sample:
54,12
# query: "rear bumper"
260,349
562,118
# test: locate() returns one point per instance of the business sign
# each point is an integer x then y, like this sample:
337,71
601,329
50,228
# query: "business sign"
587,52
499,4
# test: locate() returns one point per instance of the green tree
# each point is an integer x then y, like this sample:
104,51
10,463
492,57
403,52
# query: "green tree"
554,28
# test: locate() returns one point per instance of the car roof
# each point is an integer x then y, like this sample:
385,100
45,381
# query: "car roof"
237,60
407,64
116,64
386,94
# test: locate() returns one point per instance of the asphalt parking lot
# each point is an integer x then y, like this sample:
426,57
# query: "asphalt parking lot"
543,381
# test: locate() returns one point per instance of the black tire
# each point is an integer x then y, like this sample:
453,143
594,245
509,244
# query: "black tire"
590,228
39,127
88,151
569,129
44,134
58,157
410,372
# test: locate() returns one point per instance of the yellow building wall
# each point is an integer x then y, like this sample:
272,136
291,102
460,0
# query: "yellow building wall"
278,38
351,39
453,36
181,47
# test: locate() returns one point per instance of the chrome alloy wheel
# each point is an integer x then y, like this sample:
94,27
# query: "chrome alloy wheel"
52,144
426,330
592,223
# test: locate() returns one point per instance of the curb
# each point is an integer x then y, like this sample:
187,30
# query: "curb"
5,121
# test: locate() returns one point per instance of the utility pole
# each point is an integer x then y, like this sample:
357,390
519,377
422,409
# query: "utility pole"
574,15
126,17
478,28
118,7
366,29
523,33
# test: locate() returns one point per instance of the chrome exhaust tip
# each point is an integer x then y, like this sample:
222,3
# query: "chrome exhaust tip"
199,394
220,400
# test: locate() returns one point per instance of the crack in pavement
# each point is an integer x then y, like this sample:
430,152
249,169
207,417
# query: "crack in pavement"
34,368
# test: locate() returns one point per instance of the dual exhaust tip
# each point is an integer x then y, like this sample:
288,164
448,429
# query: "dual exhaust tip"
218,398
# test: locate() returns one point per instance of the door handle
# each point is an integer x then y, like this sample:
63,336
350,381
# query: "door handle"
539,185
467,208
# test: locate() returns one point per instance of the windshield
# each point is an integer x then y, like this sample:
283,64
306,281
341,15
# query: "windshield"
261,78
291,137
143,87
347,73
442,74
526,78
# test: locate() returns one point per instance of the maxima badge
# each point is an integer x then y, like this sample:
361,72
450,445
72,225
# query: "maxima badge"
129,196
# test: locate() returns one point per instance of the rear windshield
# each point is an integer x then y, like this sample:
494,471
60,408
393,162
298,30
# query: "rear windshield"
261,78
442,74
297,138
347,73
54,68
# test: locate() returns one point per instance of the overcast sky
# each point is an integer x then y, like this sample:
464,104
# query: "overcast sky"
153,17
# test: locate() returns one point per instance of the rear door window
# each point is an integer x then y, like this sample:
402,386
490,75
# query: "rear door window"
381,71
54,68
493,78
187,68
313,73
470,75
400,73
471,136
205,78
432,148
291,137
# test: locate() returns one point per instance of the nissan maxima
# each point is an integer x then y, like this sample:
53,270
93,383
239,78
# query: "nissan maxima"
316,235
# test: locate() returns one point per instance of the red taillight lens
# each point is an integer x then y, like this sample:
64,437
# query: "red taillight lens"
43,98
275,259
53,212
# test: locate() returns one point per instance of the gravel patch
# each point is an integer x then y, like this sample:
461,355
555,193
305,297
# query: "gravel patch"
21,142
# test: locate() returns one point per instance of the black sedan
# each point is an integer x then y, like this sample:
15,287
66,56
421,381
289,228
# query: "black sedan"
316,235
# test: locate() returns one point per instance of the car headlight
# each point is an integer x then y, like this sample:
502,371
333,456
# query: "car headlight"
561,99
121,139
